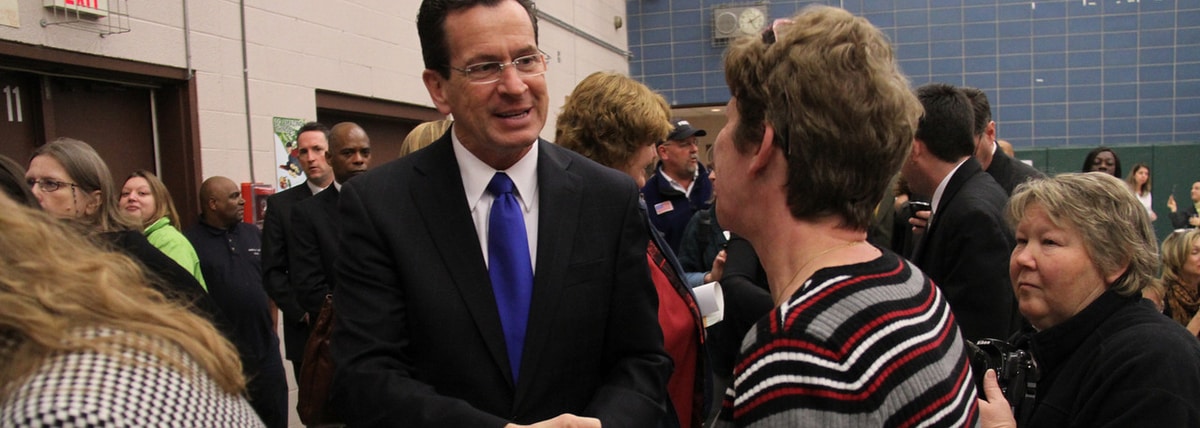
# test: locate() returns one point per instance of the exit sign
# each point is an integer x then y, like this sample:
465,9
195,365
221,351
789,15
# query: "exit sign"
89,7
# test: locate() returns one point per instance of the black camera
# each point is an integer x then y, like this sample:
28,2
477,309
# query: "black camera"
1016,371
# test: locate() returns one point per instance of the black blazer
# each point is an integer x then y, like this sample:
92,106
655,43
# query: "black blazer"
276,228
965,251
1009,172
1183,212
418,341
313,248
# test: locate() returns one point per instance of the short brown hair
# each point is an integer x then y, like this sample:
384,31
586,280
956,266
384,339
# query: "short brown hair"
609,116
1113,224
842,110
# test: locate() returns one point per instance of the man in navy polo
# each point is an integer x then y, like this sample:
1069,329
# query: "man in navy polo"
230,259
680,187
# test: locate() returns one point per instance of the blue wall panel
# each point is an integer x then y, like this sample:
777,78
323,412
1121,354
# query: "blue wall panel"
1059,72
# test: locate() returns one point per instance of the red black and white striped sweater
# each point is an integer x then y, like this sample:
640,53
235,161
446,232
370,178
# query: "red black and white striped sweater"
865,345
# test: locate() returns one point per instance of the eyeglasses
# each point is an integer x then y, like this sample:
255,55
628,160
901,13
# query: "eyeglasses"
489,72
47,185
768,35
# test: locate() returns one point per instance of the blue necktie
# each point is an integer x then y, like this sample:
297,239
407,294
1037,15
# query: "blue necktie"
509,266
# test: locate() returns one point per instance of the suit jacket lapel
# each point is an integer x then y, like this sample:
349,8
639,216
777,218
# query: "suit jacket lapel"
445,213
560,196
960,177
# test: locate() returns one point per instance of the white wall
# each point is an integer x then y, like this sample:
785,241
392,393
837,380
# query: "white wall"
367,48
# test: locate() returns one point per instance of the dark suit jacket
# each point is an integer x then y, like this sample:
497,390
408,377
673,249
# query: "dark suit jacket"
276,228
1184,211
965,251
1009,172
418,341
313,248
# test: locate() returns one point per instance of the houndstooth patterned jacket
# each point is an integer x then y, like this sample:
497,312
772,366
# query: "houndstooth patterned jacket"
133,389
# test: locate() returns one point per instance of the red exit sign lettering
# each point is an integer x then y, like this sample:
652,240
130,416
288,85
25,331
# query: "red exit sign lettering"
88,7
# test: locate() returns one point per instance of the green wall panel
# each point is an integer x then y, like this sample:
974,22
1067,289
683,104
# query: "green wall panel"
1172,166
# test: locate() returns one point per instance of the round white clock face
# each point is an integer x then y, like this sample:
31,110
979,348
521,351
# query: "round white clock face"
751,21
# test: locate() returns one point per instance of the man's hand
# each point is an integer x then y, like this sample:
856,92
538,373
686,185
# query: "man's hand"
919,221
718,268
1171,203
994,411
565,420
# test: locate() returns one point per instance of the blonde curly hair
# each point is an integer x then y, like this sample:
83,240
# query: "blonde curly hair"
54,283
609,116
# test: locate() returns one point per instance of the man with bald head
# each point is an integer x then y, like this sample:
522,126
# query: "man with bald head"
313,245
229,252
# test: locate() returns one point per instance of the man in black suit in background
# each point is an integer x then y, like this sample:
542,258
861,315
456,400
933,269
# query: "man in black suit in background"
312,140
313,243
966,245
1007,172
424,337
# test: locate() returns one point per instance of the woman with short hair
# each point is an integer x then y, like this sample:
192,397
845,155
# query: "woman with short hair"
615,121
1106,356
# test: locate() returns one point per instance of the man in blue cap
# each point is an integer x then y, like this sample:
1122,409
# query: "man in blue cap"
680,187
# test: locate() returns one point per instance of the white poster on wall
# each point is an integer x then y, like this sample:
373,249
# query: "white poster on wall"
10,14
288,172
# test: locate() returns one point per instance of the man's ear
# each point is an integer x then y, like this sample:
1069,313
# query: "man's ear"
918,150
991,131
437,87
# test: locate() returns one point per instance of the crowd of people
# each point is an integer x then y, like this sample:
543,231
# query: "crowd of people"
872,244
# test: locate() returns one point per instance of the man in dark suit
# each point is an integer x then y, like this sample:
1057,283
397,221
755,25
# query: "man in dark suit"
424,336
966,245
1184,216
312,140
1007,172
313,243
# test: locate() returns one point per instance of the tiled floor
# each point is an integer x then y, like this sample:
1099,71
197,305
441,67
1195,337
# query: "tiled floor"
293,418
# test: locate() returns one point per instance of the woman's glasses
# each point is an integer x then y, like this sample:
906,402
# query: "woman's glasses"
47,185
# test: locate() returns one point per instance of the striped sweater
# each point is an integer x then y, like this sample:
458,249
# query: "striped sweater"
866,345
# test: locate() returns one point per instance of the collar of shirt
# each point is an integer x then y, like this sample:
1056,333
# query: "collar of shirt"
676,184
937,194
313,187
476,175
337,186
